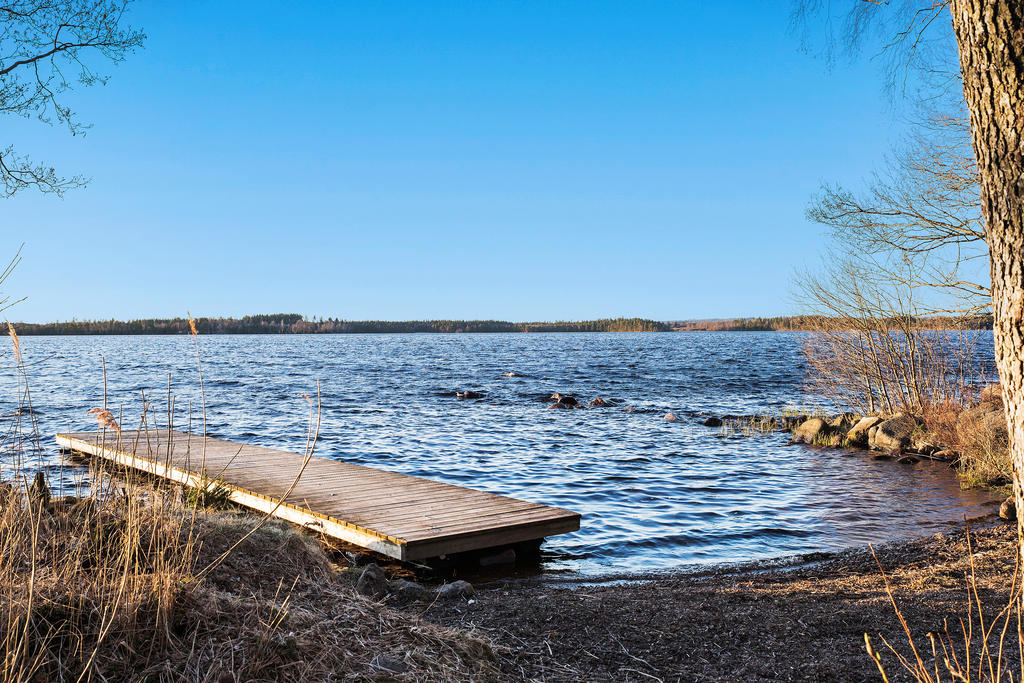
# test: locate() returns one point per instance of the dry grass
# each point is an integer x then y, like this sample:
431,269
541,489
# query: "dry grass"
135,586
978,433
983,645
87,583
138,580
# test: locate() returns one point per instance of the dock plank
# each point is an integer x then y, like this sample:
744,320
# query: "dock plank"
405,517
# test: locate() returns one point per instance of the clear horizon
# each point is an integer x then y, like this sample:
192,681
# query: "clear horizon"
512,162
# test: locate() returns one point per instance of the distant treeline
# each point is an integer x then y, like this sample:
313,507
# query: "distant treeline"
814,322
293,323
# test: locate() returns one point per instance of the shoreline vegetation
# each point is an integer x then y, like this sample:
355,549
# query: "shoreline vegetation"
141,578
134,579
971,437
154,584
295,323
137,578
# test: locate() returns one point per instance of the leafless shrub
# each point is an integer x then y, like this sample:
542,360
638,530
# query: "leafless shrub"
869,352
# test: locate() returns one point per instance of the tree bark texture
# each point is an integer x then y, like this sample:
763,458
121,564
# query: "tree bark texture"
990,34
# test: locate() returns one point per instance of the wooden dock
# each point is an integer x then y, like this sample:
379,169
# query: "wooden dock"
405,517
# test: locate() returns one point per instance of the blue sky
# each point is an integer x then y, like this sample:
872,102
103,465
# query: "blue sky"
512,160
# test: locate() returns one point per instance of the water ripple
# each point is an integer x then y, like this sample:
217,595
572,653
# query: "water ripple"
654,494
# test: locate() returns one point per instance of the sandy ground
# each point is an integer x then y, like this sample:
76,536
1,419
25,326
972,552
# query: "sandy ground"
801,621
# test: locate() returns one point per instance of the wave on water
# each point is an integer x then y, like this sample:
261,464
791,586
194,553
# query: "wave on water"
654,494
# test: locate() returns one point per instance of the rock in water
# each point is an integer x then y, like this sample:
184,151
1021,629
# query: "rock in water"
790,422
858,434
455,590
670,417
844,421
599,402
924,447
1008,510
809,430
468,394
893,434
372,582
713,422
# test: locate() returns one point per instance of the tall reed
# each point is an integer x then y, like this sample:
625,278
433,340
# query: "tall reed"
132,580
978,648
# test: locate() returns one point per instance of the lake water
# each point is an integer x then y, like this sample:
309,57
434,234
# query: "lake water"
654,494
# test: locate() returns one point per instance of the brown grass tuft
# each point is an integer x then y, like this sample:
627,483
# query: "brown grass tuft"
131,583
109,588
14,338
978,434
105,419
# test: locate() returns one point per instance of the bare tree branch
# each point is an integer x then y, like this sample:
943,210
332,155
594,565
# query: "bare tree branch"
45,48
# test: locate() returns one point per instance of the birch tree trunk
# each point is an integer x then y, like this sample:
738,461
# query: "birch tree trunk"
990,34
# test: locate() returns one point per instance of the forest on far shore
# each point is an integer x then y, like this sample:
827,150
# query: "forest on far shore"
817,322
294,323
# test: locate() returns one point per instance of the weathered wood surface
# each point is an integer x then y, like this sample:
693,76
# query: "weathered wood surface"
405,517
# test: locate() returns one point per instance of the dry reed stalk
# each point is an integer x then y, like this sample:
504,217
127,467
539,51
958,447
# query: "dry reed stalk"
972,657
105,419
202,386
14,338
126,583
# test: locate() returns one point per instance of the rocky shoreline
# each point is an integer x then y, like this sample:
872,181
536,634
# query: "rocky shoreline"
960,435
953,435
